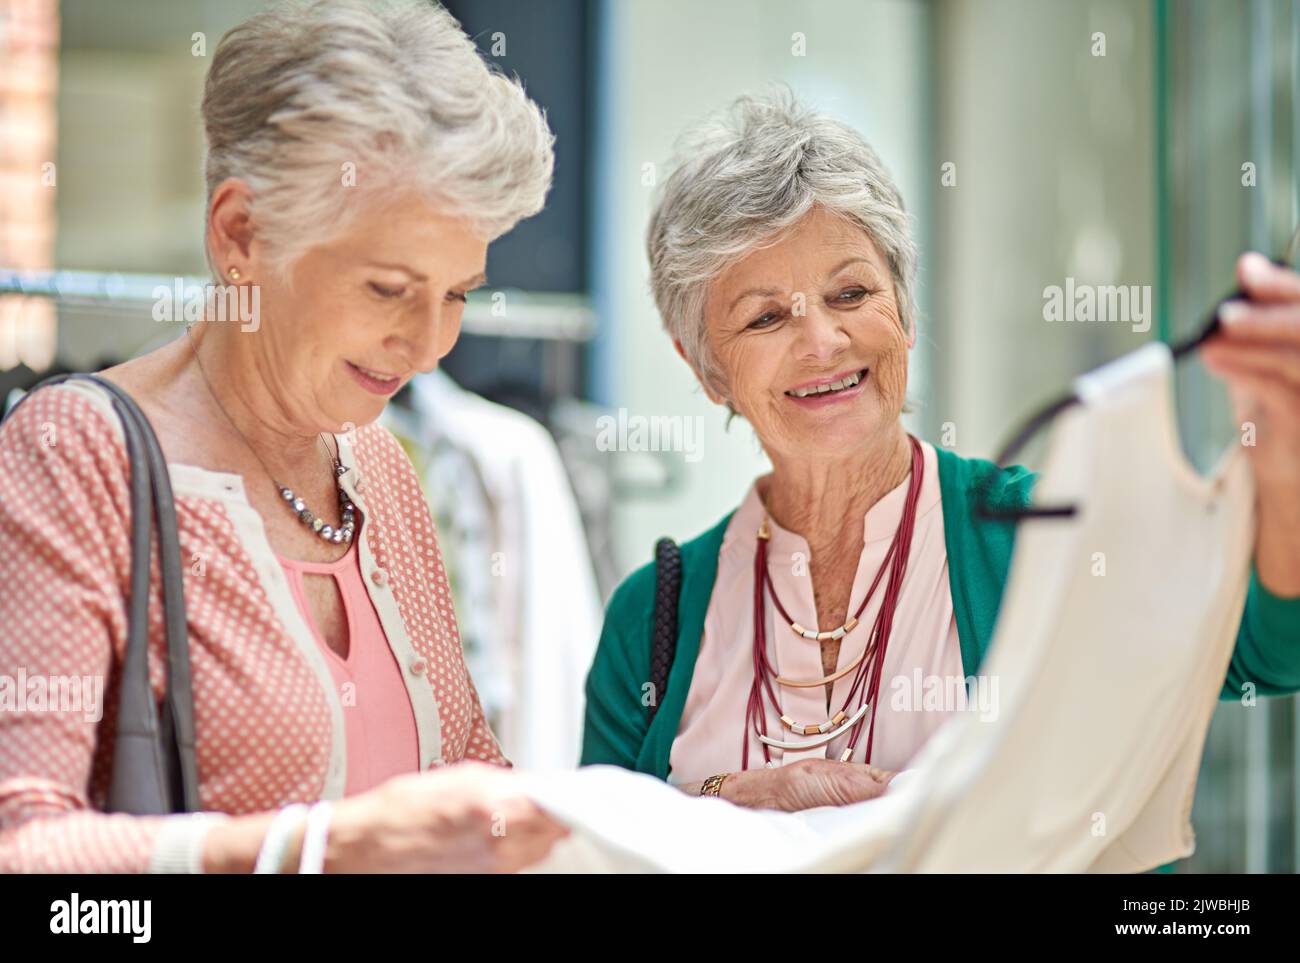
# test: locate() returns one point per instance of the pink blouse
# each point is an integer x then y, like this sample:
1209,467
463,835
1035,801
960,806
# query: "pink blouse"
922,683
378,721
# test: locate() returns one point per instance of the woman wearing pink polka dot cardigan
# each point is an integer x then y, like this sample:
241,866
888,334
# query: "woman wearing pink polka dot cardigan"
360,158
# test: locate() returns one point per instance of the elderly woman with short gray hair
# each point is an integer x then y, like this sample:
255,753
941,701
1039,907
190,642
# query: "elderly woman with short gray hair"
360,158
783,268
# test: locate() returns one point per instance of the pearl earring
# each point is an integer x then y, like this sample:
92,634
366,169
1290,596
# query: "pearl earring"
233,273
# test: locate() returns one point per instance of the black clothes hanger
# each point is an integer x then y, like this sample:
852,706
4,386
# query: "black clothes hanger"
1048,412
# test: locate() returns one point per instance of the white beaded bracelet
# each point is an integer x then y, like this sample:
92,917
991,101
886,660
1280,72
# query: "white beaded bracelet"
276,841
317,835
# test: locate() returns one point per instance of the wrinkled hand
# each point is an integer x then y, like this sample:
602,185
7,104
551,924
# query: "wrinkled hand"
807,784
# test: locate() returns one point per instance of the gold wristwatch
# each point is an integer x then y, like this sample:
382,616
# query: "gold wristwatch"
713,785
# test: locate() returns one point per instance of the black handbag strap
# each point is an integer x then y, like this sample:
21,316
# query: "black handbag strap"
663,633
155,770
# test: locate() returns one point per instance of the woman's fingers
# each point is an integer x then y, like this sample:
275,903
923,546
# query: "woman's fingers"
859,782
530,843
515,834
1254,394
1277,323
1263,280
1251,357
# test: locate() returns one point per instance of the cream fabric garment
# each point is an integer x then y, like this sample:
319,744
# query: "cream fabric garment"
1113,641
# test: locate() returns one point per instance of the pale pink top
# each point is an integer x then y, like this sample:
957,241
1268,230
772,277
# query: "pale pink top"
923,652
378,721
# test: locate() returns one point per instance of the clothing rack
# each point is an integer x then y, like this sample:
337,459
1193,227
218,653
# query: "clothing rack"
536,315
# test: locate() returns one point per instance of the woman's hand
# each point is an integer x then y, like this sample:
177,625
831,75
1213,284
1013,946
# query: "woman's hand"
806,784
1258,355
466,818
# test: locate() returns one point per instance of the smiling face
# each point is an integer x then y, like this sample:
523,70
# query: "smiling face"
807,335
367,311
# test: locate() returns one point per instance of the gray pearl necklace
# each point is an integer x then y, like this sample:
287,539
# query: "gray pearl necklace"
348,516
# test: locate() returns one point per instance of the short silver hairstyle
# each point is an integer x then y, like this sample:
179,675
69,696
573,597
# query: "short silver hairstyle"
300,91
744,177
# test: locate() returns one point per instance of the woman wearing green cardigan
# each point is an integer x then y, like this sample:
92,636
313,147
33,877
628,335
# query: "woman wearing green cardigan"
829,625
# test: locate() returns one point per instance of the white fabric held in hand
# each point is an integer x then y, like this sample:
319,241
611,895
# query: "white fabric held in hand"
1106,684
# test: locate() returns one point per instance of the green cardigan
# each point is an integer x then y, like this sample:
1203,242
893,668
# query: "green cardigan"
1267,652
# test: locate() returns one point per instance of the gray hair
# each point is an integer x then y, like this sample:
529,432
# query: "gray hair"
395,88
746,176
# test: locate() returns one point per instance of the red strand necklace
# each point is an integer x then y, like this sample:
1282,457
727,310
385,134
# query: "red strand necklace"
865,687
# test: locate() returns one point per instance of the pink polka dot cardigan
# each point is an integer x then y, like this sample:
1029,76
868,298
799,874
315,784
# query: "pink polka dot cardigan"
268,717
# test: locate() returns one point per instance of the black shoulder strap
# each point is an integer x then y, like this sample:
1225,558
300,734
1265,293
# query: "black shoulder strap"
663,633
154,762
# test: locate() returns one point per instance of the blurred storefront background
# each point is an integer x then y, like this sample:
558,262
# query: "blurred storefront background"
1036,142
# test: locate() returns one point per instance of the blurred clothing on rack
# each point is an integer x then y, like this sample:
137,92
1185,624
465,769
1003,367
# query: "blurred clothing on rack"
518,560
573,423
